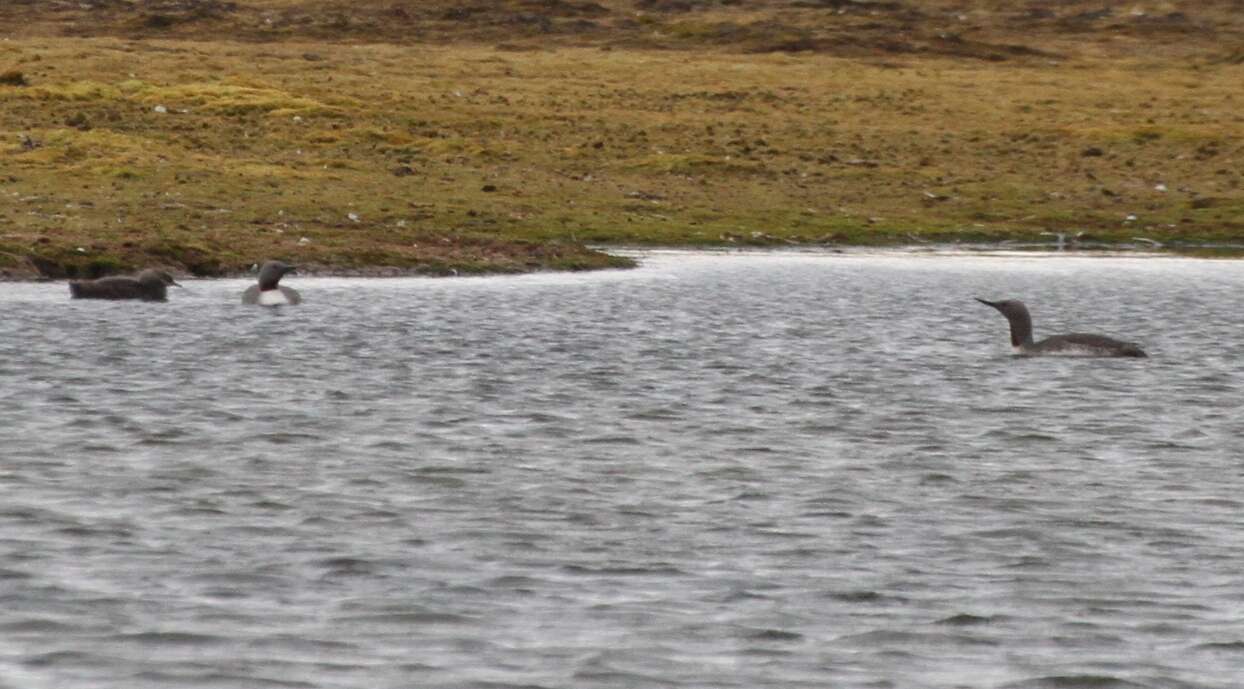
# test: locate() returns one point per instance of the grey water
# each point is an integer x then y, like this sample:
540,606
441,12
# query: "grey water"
716,470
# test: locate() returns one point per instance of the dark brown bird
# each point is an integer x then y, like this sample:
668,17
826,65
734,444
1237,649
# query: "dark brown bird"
149,285
1083,344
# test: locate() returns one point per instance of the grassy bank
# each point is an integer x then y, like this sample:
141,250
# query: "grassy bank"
152,140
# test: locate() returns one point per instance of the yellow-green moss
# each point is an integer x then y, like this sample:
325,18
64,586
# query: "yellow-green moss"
214,155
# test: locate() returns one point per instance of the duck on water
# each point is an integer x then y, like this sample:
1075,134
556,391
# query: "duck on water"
268,292
1083,344
149,285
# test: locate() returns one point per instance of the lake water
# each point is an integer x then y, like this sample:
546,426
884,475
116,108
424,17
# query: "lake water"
717,470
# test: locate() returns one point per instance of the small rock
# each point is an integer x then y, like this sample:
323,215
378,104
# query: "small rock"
645,195
13,78
160,109
354,217
403,171
1092,152
304,241
488,187
1131,217
1159,187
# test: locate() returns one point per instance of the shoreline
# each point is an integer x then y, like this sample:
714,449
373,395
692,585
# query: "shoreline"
630,257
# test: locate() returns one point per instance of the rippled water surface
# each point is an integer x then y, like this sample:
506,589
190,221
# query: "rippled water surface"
714,471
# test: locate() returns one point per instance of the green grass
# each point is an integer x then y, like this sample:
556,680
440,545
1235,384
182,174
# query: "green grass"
206,155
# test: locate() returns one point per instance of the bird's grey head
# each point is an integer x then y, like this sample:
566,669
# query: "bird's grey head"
272,272
1011,308
157,277
1017,315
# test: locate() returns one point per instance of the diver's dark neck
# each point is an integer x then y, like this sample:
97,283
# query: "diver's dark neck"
1021,329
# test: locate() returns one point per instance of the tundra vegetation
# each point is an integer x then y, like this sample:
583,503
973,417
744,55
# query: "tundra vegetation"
510,135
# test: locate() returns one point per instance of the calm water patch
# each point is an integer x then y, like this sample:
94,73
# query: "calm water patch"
753,470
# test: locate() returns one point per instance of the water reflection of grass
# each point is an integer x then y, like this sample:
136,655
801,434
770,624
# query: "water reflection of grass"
211,154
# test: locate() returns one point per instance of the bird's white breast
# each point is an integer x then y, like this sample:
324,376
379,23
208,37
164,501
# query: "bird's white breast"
272,297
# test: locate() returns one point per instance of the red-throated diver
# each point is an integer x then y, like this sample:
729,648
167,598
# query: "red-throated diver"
1073,343
149,285
268,292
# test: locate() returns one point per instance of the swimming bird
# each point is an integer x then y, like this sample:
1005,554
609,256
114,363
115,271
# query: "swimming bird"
149,285
1073,343
268,292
